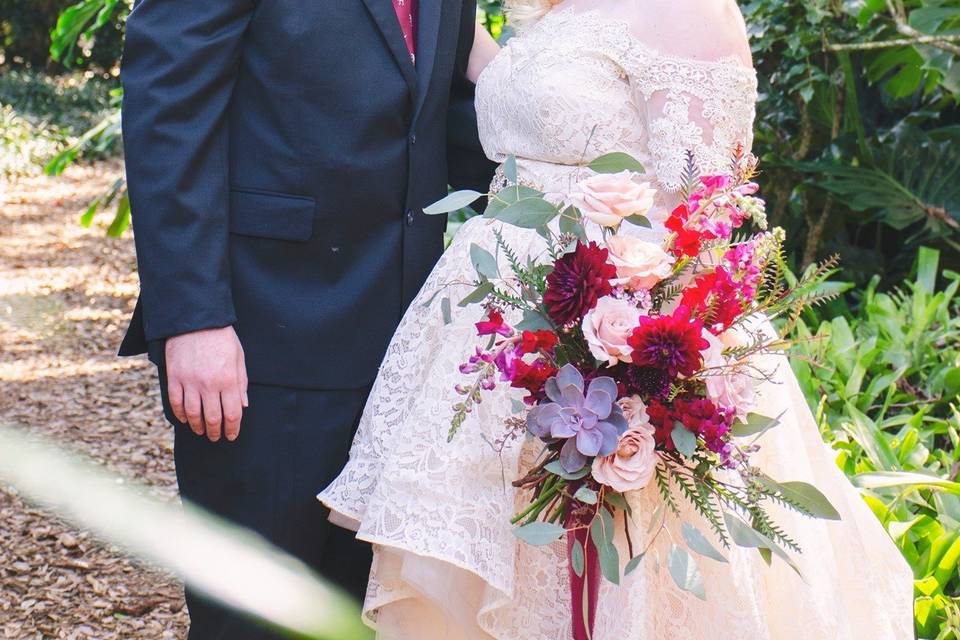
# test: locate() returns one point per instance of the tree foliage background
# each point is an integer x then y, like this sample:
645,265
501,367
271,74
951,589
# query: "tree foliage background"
858,130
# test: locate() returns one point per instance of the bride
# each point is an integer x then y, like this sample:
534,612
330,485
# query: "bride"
656,79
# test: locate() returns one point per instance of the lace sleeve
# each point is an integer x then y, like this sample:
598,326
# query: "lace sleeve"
691,106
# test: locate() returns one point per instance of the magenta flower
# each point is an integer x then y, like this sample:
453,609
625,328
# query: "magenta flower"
494,325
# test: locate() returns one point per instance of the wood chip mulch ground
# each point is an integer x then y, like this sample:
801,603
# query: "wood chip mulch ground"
65,295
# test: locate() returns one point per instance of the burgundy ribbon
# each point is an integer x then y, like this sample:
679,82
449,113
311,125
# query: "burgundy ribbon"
584,589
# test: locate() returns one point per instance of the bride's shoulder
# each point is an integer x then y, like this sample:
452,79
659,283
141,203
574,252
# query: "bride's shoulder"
706,30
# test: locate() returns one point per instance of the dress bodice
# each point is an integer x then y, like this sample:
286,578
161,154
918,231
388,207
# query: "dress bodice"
579,84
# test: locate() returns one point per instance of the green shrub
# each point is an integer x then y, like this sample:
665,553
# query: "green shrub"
884,377
25,37
42,116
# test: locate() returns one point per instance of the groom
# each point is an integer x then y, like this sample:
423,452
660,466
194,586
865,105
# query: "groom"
279,154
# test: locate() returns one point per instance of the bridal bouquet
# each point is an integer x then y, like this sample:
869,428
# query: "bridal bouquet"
637,358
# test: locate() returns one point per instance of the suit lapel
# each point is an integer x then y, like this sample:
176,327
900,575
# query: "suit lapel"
386,18
428,33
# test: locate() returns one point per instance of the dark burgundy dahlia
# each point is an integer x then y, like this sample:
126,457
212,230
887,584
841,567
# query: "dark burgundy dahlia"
578,280
670,343
647,382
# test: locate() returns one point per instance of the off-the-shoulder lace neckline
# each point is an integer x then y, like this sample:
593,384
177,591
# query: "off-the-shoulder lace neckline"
569,11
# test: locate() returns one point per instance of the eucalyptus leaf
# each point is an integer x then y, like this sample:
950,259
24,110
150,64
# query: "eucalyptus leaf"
684,440
508,196
615,163
528,213
744,535
640,221
484,262
633,564
755,425
452,202
586,495
533,321
577,558
699,543
617,501
610,563
601,532
510,169
557,469
685,572
539,534
445,310
808,497
478,295
571,222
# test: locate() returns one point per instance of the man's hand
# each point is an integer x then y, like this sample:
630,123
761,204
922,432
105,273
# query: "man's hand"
207,381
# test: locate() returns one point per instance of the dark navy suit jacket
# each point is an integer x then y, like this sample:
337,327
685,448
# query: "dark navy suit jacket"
279,154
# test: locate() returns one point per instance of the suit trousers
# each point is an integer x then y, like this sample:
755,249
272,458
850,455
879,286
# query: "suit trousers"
292,443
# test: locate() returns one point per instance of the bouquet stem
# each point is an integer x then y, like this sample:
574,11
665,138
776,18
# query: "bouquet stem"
585,588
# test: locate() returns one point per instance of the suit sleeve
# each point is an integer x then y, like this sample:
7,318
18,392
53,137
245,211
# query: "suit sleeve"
467,165
180,65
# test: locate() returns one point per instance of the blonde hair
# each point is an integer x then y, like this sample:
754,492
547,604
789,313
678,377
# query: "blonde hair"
523,13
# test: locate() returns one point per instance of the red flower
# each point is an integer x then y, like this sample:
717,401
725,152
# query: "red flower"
494,325
688,241
671,343
532,377
716,298
578,280
698,415
662,420
704,418
532,342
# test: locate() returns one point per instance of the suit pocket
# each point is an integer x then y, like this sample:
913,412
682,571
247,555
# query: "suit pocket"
271,215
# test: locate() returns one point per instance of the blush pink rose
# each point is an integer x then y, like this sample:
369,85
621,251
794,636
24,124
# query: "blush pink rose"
635,411
632,465
640,264
734,390
608,198
607,327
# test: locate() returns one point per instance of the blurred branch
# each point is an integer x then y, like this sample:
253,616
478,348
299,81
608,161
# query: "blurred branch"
942,42
898,14
226,562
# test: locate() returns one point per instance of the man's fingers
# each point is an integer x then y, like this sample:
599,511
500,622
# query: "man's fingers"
175,398
244,382
232,412
193,409
212,415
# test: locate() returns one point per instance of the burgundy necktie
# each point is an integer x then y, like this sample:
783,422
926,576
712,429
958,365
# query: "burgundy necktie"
407,14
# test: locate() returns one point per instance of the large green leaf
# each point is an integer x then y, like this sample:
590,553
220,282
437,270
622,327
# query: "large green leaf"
80,19
905,479
225,562
916,178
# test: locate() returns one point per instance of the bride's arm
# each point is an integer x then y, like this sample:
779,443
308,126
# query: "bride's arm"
692,75
483,51
702,30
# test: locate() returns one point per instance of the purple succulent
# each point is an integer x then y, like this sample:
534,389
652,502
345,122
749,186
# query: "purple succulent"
590,419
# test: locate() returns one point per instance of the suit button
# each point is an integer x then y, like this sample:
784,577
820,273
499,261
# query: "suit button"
409,217
413,138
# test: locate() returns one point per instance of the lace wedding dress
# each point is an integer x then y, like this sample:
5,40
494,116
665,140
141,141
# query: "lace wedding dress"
447,566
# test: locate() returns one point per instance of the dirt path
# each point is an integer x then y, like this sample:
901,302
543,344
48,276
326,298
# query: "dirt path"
65,294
